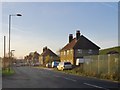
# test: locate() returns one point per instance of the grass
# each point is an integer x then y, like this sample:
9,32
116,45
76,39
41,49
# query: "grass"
79,72
6,72
105,51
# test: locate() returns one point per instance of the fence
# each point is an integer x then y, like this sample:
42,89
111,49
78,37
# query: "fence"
107,64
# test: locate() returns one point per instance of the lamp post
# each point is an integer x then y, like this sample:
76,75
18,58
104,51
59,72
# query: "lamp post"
12,52
10,32
12,57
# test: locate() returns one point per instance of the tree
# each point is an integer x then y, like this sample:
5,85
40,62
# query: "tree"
48,59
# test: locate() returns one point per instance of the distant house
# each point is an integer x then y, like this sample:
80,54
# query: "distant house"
47,56
77,48
33,57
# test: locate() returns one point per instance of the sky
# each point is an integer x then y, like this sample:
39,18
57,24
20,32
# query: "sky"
50,23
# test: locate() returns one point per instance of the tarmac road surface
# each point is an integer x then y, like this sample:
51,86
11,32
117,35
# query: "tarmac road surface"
29,77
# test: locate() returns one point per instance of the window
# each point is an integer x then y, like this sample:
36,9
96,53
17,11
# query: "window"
51,57
71,51
61,53
64,52
79,50
67,52
90,51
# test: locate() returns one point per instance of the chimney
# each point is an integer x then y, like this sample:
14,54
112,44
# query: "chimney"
45,48
77,34
70,37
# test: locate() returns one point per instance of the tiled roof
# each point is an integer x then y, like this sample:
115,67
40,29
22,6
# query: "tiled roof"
48,52
70,45
81,43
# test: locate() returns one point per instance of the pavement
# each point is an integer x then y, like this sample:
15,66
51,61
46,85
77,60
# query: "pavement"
29,77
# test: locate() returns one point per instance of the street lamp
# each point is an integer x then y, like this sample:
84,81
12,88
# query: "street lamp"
10,32
12,52
12,57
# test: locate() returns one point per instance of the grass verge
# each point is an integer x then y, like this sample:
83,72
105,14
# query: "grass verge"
80,72
6,72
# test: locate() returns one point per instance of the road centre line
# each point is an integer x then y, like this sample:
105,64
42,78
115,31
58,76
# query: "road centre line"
70,79
95,86
66,78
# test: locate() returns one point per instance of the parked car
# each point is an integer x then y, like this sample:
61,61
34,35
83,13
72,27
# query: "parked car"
26,64
17,64
55,64
48,65
22,64
64,65
36,64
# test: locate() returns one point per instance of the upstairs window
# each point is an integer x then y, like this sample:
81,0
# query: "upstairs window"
61,53
71,51
79,51
67,52
90,51
64,52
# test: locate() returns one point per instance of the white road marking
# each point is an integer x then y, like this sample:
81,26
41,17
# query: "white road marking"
70,79
66,78
95,86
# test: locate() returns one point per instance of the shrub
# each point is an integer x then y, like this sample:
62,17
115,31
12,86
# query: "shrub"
6,72
115,76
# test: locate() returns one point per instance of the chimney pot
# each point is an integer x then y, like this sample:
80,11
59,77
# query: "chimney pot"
70,37
77,34
45,48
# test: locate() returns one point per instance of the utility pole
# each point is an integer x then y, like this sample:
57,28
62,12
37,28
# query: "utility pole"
9,39
4,45
4,51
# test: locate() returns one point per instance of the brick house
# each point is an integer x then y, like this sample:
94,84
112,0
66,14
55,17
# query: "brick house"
77,48
47,53
33,57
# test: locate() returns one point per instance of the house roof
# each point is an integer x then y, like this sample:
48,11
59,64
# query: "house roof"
48,52
70,45
81,43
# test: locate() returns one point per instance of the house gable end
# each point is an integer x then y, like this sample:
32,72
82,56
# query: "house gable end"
84,43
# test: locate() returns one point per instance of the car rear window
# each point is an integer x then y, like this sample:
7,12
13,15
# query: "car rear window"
57,62
66,63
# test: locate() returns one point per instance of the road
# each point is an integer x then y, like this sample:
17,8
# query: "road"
29,77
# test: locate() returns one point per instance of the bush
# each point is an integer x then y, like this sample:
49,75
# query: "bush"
6,72
115,76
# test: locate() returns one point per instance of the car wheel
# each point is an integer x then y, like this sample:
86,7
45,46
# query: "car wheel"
62,68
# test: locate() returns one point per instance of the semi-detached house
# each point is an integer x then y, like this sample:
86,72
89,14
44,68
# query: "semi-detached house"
47,53
77,48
